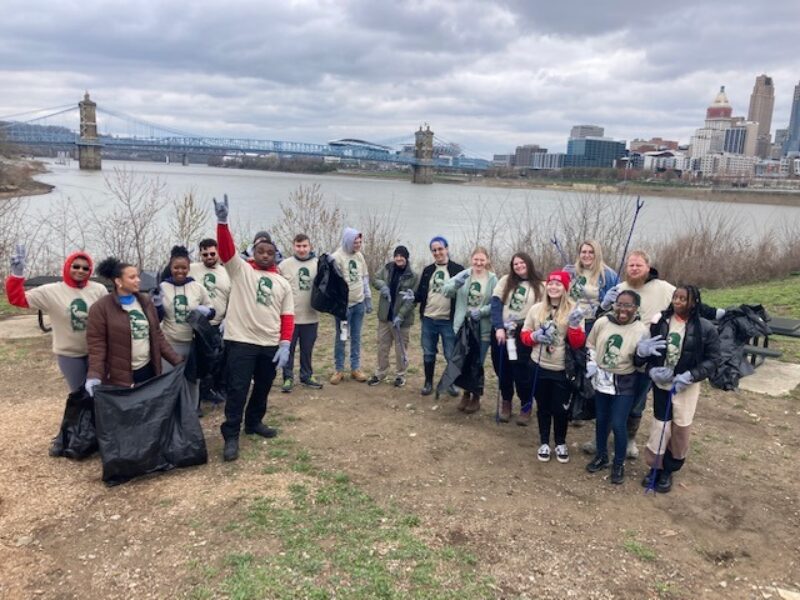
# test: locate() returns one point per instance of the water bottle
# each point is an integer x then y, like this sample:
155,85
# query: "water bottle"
511,347
343,331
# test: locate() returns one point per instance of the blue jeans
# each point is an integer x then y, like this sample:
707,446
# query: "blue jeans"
355,319
612,414
643,385
432,329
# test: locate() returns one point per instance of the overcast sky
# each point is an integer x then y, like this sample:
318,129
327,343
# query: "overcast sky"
490,75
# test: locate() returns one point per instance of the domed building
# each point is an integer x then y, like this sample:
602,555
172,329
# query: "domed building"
711,138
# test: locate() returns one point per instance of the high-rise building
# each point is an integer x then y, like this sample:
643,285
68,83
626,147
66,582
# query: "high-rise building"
711,137
593,152
584,131
793,142
762,101
523,157
742,137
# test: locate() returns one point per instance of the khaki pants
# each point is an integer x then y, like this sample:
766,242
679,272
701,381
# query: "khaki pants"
388,336
675,427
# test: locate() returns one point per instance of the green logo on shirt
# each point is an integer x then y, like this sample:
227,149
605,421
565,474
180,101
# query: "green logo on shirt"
352,270
576,291
673,349
210,283
78,313
474,297
140,328
612,351
303,279
438,282
264,291
518,299
181,306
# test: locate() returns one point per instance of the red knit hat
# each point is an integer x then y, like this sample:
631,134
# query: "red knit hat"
561,276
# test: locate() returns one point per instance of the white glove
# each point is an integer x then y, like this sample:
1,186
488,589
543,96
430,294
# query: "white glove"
203,310
282,355
591,369
650,346
544,335
18,261
682,381
461,278
90,385
610,298
221,209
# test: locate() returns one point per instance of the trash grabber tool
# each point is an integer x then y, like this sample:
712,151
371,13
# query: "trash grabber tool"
652,485
639,205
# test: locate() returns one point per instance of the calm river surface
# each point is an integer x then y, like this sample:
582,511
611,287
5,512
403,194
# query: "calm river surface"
424,210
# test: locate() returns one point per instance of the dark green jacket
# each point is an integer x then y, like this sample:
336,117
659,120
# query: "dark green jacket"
408,281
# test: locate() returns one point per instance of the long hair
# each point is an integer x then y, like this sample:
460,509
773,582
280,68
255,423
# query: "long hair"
565,306
513,280
597,274
485,252
693,293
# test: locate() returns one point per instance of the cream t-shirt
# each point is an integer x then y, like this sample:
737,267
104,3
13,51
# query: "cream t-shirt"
300,274
656,296
218,287
519,301
354,269
140,334
179,301
615,344
437,305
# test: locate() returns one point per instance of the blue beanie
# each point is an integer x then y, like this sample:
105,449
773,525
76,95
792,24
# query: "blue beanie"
439,239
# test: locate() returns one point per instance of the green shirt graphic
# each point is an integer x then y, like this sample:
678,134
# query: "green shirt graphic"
474,297
518,299
303,279
78,313
140,328
578,284
181,306
438,282
611,353
352,270
264,291
673,349
210,283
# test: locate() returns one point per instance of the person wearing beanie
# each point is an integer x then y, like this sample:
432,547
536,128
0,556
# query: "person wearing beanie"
67,302
262,236
549,326
512,298
472,289
436,310
395,283
353,266
300,271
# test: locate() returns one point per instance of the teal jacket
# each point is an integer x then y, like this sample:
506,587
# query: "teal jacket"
462,294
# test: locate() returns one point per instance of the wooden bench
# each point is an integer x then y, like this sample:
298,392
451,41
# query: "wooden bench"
759,349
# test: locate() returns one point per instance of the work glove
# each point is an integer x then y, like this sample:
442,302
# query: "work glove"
397,322
18,260
510,326
407,295
368,304
221,209
475,314
610,298
157,297
571,270
720,314
661,375
461,278
591,369
544,335
222,327
682,381
384,291
575,317
90,385
650,346
282,355
203,310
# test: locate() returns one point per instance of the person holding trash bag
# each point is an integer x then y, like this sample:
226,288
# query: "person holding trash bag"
549,326
591,278
124,339
512,298
436,311
67,303
618,344
258,333
472,289
692,353
353,267
395,283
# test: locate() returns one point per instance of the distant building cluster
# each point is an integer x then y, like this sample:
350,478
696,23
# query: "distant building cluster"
726,146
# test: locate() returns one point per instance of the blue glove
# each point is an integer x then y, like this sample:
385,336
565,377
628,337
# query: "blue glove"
571,270
661,375
544,335
221,209
282,355
682,381
475,314
368,304
203,310
157,297
90,385
18,261
384,291
397,322
720,314
591,369
575,317
610,298
461,278
650,346
510,326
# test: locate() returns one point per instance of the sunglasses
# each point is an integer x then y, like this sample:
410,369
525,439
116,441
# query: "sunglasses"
80,268
208,254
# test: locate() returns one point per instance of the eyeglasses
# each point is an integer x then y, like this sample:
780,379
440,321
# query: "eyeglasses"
80,267
437,250
208,254
624,305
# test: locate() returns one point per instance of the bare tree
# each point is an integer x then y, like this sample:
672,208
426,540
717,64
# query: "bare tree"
188,220
307,212
381,232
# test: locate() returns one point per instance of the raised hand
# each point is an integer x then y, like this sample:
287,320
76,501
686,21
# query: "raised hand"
221,209
650,346
18,260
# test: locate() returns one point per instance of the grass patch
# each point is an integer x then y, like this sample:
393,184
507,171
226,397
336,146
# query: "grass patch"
637,549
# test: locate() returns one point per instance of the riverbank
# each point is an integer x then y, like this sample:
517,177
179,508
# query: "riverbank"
17,178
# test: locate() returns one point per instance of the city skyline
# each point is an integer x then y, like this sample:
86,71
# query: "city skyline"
489,75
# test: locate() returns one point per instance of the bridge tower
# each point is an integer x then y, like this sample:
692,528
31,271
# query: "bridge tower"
88,144
422,170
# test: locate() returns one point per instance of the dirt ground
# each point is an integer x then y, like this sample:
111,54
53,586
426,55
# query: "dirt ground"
729,529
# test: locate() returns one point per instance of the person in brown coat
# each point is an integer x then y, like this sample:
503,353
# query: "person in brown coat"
123,336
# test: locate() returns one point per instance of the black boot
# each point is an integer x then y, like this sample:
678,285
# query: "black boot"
599,463
617,474
652,474
664,482
231,450
427,389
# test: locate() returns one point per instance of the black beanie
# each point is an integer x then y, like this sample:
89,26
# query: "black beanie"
402,251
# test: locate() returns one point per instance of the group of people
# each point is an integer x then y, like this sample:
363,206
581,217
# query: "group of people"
632,334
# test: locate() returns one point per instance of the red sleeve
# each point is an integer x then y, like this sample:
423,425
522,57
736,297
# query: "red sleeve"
15,291
576,337
287,328
227,249
526,337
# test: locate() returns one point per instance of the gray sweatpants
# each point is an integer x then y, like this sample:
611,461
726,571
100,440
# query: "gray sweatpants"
183,349
388,337
74,370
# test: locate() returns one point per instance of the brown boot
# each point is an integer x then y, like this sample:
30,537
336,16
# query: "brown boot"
524,418
474,405
462,404
505,412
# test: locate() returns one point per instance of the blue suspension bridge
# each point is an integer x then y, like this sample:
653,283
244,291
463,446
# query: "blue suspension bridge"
54,127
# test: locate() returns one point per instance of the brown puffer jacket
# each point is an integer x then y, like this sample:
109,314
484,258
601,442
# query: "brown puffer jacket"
108,335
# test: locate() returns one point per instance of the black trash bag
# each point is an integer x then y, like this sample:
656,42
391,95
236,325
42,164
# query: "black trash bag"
205,356
77,438
329,292
465,368
581,406
736,328
150,427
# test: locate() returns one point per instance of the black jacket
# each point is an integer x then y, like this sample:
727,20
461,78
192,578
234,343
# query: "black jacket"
421,296
329,291
736,329
700,352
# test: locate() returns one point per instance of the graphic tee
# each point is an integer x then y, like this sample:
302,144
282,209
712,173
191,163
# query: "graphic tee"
300,274
140,335
257,301
583,290
675,337
437,305
551,356
68,308
615,344
179,301
656,296
477,291
519,301
217,285
354,269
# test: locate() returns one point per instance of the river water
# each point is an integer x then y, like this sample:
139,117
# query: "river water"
423,210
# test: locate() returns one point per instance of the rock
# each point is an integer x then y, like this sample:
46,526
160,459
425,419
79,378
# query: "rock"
23,540
787,594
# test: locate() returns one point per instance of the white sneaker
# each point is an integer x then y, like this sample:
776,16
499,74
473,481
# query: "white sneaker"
562,453
544,453
632,451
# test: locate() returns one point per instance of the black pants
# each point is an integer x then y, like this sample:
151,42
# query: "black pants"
513,373
143,374
246,362
552,401
305,336
215,382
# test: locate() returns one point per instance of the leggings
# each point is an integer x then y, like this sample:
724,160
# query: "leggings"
73,368
552,400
